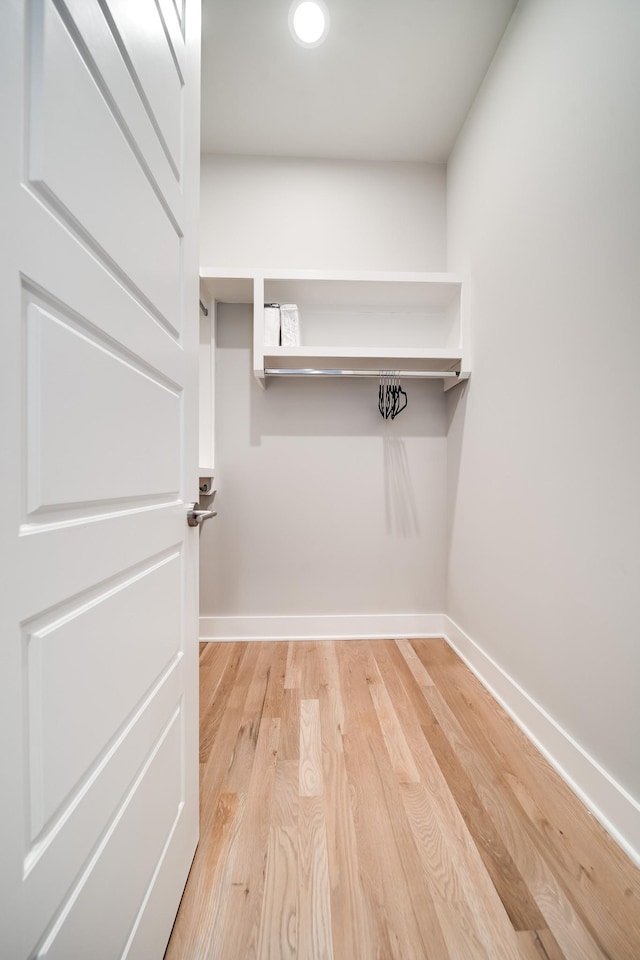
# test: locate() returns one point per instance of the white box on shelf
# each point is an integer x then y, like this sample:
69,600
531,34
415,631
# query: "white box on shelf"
289,325
271,325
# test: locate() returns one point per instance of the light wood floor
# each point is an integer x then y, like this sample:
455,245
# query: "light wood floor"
370,800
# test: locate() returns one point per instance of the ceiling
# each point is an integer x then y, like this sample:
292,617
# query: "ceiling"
393,80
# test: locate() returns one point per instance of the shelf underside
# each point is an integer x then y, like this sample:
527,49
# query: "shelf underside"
385,358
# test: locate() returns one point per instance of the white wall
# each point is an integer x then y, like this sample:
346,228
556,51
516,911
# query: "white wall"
544,448
322,214
324,508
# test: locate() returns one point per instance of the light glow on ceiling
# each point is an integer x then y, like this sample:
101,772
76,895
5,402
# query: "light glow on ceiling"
309,22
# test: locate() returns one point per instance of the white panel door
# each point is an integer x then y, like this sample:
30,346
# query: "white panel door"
98,454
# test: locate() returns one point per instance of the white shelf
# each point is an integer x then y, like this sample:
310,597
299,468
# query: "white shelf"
357,320
362,358
227,285
374,353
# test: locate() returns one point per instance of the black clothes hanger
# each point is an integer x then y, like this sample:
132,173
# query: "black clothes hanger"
389,395
399,407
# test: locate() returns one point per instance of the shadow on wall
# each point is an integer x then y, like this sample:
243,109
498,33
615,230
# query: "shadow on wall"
401,512
334,407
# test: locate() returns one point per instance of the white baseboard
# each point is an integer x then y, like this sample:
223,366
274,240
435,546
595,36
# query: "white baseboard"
609,802
355,627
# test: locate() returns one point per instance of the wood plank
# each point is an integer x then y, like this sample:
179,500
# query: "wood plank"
399,753
315,938
277,673
302,669
308,669
289,748
284,811
559,913
292,673
330,696
219,667
310,764
220,758
467,901
452,905
414,663
206,893
512,890
278,937
539,945
359,709
350,912
395,882
240,926
244,749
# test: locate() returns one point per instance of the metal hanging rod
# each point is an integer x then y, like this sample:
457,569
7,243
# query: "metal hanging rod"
404,374
204,309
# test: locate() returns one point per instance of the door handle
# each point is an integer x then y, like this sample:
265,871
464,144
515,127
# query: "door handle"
196,516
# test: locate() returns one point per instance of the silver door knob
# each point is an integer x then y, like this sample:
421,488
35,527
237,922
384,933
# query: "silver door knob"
196,516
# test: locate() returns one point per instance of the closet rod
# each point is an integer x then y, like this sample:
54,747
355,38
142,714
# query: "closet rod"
404,374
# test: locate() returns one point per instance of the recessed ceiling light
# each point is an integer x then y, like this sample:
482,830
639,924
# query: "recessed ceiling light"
309,22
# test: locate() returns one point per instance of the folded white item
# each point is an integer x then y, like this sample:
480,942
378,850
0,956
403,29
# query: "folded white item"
289,325
271,325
